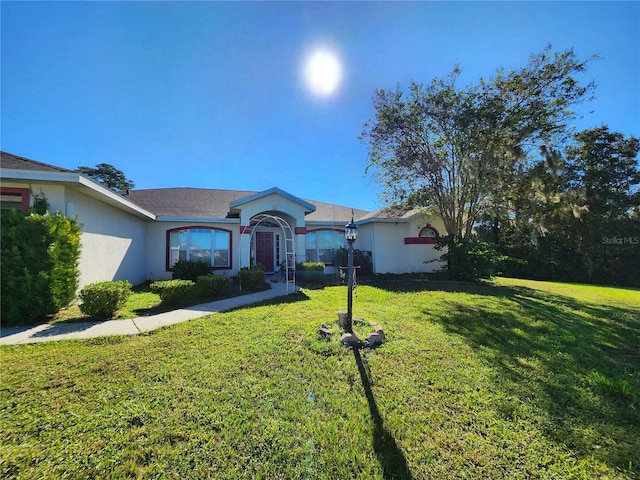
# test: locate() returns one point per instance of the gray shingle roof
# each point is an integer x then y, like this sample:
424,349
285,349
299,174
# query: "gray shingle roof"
207,203
15,162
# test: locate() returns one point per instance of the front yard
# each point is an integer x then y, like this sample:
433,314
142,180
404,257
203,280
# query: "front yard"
515,380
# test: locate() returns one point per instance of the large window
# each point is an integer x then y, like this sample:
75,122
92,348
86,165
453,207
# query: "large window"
321,245
201,244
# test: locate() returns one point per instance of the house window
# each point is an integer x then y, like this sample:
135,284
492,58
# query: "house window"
200,244
14,198
428,232
427,236
321,245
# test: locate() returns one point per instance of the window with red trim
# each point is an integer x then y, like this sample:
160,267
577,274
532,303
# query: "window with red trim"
427,235
199,244
428,232
14,198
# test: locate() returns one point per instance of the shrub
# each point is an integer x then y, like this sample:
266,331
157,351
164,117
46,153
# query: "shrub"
361,259
188,270
470,259
310,267
210,285
103,299
173,291
39,263
251,278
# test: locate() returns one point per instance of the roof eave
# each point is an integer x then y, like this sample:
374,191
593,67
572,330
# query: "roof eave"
89,187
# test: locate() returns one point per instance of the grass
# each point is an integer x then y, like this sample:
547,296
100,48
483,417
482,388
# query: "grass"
514,380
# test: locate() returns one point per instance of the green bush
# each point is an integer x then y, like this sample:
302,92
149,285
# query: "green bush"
470,259
210,285
39,263
188,270
103,299
310,267
173,291
360,259
251,278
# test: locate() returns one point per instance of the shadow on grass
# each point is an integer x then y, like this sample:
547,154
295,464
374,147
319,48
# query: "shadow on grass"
576,362
391,458
410,284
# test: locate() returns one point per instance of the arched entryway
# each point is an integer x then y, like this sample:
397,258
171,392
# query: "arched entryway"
275,252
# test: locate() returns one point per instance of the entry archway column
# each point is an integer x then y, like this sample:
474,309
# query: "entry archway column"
245,246
301,248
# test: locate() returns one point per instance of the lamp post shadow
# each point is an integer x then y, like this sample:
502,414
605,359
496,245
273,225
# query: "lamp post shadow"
391,458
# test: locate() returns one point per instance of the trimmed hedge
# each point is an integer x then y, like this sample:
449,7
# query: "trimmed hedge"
310,267
210,285
251,278
39,263
188,270
103,299
173,291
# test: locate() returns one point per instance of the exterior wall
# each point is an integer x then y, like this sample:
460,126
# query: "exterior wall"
156,247
390,253
113,242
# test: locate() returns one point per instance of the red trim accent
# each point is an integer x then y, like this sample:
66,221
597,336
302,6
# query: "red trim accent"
24,196
301,230
420,241
191,227
246,229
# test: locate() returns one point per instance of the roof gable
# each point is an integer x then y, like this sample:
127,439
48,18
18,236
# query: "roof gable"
277,191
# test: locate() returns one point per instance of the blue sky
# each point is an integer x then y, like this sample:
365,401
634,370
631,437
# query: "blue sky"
212,94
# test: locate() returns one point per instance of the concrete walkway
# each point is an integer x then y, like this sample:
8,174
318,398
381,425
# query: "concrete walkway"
71,330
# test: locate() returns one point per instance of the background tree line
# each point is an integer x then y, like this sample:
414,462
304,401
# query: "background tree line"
518,190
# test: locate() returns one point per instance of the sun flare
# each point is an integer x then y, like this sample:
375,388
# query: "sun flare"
323,72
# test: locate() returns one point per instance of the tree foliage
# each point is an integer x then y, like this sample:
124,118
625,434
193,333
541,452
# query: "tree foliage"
458,148
575,214
108,176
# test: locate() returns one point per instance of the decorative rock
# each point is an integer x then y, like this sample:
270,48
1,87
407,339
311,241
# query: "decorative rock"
324,332
350,339
342,319
374,339
359,321
379,331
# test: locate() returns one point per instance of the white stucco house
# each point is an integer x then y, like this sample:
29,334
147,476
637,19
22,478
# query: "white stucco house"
138,235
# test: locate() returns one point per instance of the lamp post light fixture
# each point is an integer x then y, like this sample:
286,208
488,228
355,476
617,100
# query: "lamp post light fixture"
350,233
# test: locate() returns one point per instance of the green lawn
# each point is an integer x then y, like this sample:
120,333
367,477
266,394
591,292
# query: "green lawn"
515,380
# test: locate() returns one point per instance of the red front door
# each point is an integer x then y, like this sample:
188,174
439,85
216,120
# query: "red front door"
264,250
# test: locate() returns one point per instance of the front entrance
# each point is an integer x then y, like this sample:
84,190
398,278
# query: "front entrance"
264,250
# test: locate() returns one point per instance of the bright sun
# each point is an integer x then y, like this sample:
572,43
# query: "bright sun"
323,73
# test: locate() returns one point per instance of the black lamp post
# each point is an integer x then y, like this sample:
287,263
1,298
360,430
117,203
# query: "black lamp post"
350,233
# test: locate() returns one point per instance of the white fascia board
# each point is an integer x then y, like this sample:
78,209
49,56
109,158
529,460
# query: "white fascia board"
382,220
197,220
74,178
325,223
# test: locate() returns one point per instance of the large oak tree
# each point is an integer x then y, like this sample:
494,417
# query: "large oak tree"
458,149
